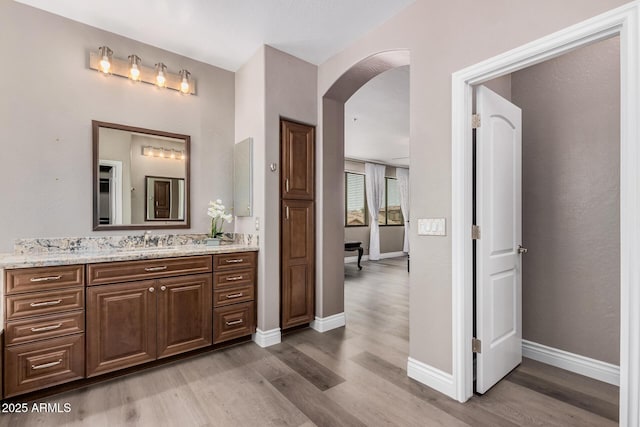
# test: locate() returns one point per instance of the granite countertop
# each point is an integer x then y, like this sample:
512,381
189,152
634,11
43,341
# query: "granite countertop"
9,260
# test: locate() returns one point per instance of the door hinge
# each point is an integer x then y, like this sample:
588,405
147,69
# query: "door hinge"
475,121
475,232
476,345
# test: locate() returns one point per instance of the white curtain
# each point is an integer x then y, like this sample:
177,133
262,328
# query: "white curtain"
403,187
374,185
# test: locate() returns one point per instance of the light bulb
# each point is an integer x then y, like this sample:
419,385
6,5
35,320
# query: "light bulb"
182,156
105,62
105,65
185,87
134,69
173,154
161,80
161,153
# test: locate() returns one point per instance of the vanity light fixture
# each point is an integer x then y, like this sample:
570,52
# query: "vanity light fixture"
105,55
161,79
103,61
134,67
184,81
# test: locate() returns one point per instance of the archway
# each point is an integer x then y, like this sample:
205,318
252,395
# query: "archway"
330,230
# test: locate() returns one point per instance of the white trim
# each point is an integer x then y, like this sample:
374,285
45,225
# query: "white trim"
431,377
592,368
324,324
350,259
267,338
623,21
116,195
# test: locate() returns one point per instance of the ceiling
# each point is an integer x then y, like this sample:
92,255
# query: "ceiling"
226,33
377,119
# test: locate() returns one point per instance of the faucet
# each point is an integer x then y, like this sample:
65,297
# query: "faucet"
146,237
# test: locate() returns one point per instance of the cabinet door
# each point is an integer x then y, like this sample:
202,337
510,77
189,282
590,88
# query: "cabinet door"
298,265
121,326
297,148
184,314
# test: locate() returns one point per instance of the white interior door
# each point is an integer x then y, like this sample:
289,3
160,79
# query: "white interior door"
499,215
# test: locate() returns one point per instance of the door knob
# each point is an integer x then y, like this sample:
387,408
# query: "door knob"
151,289
522,249
163,288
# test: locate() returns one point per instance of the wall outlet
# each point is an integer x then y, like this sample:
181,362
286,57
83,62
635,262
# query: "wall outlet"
257,224
432,227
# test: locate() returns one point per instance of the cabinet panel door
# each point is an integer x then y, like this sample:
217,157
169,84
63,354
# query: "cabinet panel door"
121,326
298,263
184,314
298,160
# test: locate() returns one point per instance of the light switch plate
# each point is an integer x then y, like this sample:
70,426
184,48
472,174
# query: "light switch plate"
432,227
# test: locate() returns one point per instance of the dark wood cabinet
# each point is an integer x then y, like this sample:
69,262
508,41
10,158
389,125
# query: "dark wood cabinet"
133,323
234,290
184,314
121,326
297,224
298,161
43,328
298,263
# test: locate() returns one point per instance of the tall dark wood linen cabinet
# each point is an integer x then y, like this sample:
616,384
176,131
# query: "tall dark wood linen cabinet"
297,223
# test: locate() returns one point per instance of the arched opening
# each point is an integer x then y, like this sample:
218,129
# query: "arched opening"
330,182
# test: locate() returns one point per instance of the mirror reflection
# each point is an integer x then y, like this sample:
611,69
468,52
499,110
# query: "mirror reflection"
142,178
242,178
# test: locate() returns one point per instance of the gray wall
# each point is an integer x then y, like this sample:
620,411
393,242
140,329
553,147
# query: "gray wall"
571,200
49,97
391,237
271,85
441,40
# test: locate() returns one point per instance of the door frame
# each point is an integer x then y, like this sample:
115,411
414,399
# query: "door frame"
622,21
116,194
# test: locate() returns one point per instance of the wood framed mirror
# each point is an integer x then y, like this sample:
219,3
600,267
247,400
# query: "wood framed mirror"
141,178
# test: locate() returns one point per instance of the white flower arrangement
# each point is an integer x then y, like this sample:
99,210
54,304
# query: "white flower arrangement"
216,211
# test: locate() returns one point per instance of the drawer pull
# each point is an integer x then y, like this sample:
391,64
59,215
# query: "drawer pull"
235,322
238,295
234,261
45,303
45,279
46,365
163,267
46,328
234,278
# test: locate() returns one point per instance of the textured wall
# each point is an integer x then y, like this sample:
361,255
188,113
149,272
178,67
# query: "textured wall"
571,200
49,97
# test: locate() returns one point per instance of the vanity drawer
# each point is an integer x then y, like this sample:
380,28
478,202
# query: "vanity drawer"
233,321
234,261
43,278
34,366
233,295
234,278
55,325
126,271
39,303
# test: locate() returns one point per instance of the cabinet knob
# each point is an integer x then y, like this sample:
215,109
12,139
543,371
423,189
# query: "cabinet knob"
151,289
163,288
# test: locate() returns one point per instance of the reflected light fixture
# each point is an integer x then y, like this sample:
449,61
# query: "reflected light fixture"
134,67
184,81
161,69
105,55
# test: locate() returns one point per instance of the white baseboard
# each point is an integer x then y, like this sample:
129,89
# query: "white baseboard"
586,366
350,259
431,377
267,338
324,324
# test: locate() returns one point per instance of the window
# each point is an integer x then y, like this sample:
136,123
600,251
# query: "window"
391,214
355,200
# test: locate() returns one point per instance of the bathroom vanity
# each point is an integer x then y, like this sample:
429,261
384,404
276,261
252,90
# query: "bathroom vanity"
81,315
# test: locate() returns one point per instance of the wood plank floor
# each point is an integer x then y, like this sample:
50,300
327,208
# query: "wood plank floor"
353,376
